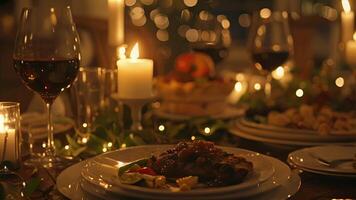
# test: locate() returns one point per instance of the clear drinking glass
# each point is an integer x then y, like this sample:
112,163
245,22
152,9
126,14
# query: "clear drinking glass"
88,92
271,43
47,59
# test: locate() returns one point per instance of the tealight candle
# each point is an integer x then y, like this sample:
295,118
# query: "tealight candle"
7,142
347,21
9,135
135,76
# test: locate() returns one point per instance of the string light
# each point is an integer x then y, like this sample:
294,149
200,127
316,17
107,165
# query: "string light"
192,138
207,130
44,145
105,149
109,144
84,140
85,125
339,82
257,86
161,127
299,93
66,147
123,145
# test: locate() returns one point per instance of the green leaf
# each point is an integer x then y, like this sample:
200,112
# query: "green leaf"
32,186
78,151
72,142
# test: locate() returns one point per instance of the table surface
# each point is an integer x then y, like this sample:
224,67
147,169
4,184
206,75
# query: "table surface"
313,186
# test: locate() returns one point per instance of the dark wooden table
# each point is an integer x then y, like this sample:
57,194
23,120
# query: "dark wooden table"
316,187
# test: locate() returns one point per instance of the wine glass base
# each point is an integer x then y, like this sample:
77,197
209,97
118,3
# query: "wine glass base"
52,161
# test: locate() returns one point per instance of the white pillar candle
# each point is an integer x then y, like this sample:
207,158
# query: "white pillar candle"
135,76
10,146
347,21
116,22
350,51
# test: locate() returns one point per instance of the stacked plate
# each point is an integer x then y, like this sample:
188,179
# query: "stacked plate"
326,160
271,179
289,136
229,112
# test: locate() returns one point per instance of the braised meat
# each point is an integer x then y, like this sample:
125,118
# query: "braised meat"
212,165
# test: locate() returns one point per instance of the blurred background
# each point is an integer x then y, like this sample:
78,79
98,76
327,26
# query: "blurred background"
166,28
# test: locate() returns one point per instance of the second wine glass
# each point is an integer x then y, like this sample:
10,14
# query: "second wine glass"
271,43
47,59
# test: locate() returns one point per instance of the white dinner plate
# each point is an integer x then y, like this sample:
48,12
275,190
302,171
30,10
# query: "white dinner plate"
68,183
97,178
340,134
293,136
250,136
38,124
229,112
306,159
108,174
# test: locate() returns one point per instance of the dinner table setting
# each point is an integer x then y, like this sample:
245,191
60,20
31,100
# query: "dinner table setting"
195,127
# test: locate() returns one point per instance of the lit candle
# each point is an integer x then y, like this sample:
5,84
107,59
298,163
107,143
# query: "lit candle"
135,76
116,22
350,51
10,146
347,20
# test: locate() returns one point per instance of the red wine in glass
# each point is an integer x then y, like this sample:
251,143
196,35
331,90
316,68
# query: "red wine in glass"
269,60
47,77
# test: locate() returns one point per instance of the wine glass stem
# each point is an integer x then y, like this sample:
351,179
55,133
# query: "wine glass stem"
136,116
268,86
50,150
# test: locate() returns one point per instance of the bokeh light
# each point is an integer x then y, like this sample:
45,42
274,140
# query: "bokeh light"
299,93
265,13
162,35
190,3
161,21
339,82
130,2
192,35
244,20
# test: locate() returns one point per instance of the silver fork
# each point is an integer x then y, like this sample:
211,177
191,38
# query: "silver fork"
334,163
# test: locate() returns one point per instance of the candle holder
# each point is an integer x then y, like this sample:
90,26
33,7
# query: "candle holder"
9,137
135,106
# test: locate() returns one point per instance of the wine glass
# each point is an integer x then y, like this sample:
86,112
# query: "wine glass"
47,59
271,43
215,37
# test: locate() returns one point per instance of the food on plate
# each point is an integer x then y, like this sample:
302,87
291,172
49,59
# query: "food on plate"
323,120
186,166
193,87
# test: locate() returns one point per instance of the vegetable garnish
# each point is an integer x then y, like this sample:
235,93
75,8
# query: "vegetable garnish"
140,162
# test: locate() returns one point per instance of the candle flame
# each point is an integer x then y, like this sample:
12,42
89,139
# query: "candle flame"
135,52
346,5
354,36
